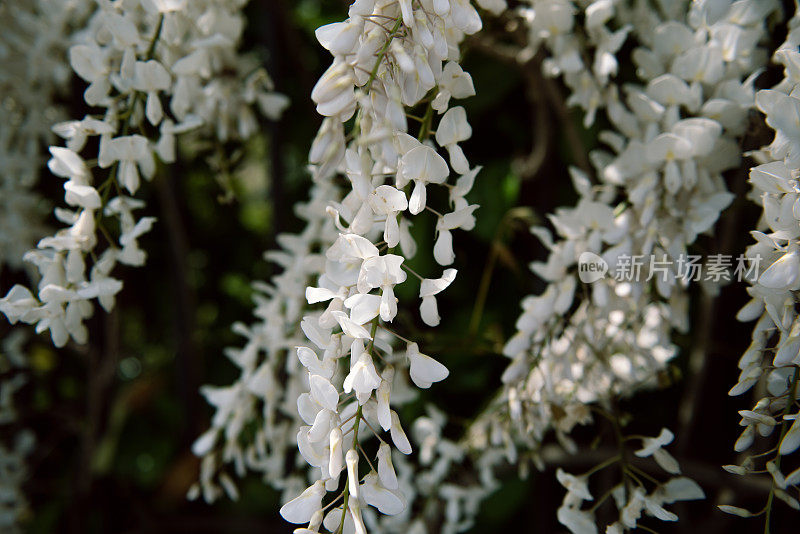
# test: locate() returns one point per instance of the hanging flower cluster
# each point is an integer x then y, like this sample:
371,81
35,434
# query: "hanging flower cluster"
132,55
267,389
772,357
390,60
658,188
387,57
33,48
33,51
552,24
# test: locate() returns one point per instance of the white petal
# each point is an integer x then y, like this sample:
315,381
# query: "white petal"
310,360
407,243
383,393
391,231
84,196
418,198
129,175
321,427
153,109
430,287
423,369
783,273
336,462
682,489
386,468
577,521
308,450
388,304
387,199
324,392
443,248
307,408
735,510
429,311
351,248
791,440
319,294
205,442
350,327
458,161
666,461
351,459
453,128
363,378
399,436
381,498
422,163
302,508
363,307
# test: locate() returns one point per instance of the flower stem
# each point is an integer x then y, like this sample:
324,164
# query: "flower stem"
383,50
355,433
425,129
133,100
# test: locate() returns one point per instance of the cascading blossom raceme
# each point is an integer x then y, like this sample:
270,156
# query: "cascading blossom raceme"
33,51
266,392
275,373
772,359
552,24
133,55
388,57
657,190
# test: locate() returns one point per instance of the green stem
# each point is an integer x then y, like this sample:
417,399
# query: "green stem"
425,129
374,72
601,500
356,424
486,277
132,101
602,465
346,498
383,50
623,461
152,48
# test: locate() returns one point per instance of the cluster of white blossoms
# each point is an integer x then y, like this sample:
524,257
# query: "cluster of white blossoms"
631,497
256,417
135,57
657,189
388,56
552,24
772,358
32,51
327,377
